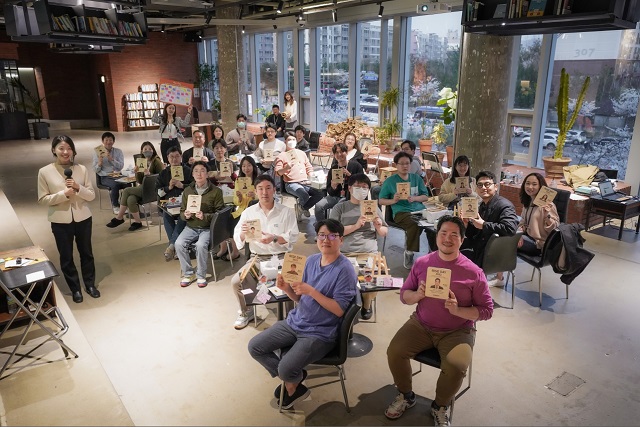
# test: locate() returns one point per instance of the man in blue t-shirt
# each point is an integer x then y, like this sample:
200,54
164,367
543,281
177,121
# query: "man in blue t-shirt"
328,287
402,208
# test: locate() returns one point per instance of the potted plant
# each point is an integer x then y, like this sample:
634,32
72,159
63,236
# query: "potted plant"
393,127
32,103
553,166
426,144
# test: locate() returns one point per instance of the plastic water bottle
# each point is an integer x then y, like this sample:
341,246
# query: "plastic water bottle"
12,305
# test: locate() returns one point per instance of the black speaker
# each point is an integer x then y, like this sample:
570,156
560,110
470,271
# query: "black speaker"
314,140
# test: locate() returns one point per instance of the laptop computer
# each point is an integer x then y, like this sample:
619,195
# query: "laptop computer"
607,192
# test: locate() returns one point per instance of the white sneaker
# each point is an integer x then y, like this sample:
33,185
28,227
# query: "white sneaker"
306,212
398,406
243,319
116,210
440,416
498,283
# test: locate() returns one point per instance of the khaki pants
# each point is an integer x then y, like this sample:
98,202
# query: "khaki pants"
455,348
406,221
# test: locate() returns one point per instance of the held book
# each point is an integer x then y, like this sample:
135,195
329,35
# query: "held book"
403,188
193,203
469,207
268,154
293,267
337,175
198,152
141,163
386,173
255,230
177,173
462,185
365,147
437,283
244,184
225,169
101,151
369,209
545,196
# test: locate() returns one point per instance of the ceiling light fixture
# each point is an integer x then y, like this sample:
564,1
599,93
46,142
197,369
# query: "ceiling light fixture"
162,29
275,27
380,10
334,15
280,6
243,29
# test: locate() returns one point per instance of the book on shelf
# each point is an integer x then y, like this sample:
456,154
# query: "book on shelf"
536,8
501,11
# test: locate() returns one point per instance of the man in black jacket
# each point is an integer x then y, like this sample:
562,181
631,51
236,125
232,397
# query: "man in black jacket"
276,119
496,215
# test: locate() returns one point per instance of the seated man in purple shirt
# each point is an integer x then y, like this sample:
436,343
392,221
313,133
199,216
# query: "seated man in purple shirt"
447,325
328,287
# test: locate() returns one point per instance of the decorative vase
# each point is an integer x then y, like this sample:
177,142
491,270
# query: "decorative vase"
426,145
553,168
450,157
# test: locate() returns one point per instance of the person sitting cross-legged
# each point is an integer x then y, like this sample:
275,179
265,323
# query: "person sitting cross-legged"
446,324
310,330
360,234
110,161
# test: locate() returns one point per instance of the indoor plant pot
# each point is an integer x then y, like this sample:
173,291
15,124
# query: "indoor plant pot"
553,168
450,157
426,145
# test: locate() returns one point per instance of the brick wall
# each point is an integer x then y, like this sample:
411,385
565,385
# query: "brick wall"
8,50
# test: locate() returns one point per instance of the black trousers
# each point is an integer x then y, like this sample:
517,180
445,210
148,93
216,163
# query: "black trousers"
165,144
64,235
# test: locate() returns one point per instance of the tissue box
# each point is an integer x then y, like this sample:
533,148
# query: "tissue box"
268,270
433,217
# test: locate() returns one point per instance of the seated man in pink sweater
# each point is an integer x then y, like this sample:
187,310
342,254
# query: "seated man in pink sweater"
294,166
446,324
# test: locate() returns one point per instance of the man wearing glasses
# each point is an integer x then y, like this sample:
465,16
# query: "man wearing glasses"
448,325
495,215
402,209
310,330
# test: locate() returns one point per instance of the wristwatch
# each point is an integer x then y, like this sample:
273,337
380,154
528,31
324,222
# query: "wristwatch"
275,239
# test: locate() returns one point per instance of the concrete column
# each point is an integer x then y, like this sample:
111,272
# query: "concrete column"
483,101
231,69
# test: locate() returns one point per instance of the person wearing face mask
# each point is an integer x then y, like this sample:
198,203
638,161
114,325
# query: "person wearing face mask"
69,214
132,196
360,235
294,166
336,192
240,140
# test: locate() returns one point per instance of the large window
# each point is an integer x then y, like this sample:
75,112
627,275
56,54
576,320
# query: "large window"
370,71
334,75
434,58
268,66
291,69
602,133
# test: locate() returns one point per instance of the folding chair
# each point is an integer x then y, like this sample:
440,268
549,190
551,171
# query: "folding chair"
431,160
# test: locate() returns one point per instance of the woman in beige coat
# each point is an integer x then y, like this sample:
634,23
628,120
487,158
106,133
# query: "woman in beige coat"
537,221
66,188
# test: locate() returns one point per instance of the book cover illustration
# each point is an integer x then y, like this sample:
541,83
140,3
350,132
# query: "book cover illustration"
536,8
198,152
268,154
369,209
193,203
437,283
293,267
141,163
468,207
365,148
545,196
101,151
254,232
337,175
386,173
244,184
225,169
177,173
462,184
403,189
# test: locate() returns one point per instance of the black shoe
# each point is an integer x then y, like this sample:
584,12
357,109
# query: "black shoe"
115,222
366,313
135,226
91,290
77,296
301,393
276,392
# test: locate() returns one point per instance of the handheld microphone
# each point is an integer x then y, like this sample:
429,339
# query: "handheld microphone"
68,173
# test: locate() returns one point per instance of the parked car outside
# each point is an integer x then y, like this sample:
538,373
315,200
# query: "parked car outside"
549,141
517,131
576,137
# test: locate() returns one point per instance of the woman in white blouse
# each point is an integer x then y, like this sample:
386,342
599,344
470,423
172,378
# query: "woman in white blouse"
170,125
290,110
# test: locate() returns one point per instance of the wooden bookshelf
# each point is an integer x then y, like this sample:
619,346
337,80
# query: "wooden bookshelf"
140,106
557,16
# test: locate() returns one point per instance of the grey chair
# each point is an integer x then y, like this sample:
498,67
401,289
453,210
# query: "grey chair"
431,357
338,355
500,254
149,195
542,260
221,230
99,186
388,218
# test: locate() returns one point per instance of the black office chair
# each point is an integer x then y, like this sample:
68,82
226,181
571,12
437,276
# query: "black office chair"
149,195
338,355
221,230
542,260
431,357
562,203
99,186
500,254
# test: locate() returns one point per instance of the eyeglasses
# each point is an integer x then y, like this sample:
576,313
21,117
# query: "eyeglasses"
404,164
331,237
485,184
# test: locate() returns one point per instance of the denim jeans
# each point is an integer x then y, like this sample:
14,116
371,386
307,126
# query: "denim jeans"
189,235
325,204
114,189
307,195
172,226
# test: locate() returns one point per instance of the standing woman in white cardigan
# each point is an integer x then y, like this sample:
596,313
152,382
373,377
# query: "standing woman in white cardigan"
66,188
170,125
290,111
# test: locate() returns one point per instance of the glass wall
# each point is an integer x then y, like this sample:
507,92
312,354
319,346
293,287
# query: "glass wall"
291,69
334,75
389,53
268,66
434,56
306,76
210,93
369,71
602,133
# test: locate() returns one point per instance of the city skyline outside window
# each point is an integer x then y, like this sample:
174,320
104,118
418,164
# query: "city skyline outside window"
334,75
268,68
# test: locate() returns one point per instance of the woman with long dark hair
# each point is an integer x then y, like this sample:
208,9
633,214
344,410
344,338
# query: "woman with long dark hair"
218,135
448,194
66,188
537,221
170,125
290,112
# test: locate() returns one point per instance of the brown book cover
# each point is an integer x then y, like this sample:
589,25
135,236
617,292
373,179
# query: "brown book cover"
226,168
469,207
244,184
193,203
545,196
268,154
403,189
462,184
101,151
386,173
141,163
369,209
293,267
177,173
437,283
255,230
198,153
337,175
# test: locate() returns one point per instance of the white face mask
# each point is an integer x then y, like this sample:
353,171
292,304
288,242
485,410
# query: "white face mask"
241,125
359,193
291,144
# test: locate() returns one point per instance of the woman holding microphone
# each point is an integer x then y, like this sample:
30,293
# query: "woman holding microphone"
65,188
